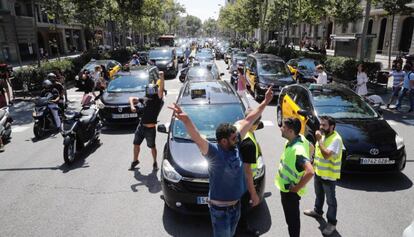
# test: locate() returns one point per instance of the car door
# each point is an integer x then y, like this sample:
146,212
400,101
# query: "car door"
247,69
290,108
303,101
251,78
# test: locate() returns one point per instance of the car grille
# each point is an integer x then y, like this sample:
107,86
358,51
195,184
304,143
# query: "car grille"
195,187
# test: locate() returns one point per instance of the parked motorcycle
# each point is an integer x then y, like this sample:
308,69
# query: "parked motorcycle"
43,117
5,124
80,129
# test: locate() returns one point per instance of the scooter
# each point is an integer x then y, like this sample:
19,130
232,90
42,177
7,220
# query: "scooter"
43,117
5,124
80,128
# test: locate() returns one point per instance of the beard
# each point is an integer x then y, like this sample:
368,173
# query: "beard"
326,131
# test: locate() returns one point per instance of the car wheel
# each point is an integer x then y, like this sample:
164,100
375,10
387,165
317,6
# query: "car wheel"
257,96
279,116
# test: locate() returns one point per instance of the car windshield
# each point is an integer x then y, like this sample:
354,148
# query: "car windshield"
160,54
273,68
342,104
204,55
129,83
199,73
207,118
307,65
91,66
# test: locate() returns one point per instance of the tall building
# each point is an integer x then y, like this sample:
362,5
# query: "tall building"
18,32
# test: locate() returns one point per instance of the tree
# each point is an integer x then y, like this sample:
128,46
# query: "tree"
193,25
172,10
365,29
394,7
210,27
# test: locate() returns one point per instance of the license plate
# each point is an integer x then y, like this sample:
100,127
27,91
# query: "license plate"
122,116
202,200
376,161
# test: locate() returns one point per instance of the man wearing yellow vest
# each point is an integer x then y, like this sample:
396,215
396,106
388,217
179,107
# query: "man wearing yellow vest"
295,171
327,165
249,153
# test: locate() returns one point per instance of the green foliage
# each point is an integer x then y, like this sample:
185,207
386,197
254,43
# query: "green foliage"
394,7
193,25
210,27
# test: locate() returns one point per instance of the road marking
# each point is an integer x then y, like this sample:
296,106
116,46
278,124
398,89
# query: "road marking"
17,129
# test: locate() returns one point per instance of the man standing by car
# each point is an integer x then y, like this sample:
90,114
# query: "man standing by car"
327,165
398,78
226,176
249,152
146,127
322,77
295,171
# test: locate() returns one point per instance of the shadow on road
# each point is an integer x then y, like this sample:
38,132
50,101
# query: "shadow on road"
80,160
322,225
376,182
401,117
150,181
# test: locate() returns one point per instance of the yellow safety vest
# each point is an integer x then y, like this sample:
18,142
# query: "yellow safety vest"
330,168
288,175
257,147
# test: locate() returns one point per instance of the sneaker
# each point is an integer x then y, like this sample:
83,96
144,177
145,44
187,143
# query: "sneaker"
133,164
2,148
155,166
312,213
329,229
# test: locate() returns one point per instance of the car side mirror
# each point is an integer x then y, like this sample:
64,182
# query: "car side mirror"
162,128
260,125
222,74
304,113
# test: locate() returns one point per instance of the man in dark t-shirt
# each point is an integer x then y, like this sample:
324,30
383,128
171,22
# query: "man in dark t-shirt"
146,127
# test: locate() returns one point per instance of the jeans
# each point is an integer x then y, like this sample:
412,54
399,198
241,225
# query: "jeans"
322,188
224,221
411,96
290,203
401,97
54,109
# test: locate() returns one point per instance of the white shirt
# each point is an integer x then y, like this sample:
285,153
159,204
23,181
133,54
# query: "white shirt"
362,80
335,147
322,78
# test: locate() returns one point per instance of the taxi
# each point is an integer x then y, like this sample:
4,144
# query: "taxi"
370,144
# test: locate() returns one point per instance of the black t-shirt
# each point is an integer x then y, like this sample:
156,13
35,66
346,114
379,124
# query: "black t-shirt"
89,85
53,92
248,151
152,109
59,87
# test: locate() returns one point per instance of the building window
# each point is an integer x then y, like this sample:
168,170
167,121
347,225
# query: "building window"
18,9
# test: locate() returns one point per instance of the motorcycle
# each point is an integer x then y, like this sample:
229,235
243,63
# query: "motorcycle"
233,78
44,121
5,124
80,128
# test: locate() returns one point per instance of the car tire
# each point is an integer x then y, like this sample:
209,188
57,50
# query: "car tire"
279,116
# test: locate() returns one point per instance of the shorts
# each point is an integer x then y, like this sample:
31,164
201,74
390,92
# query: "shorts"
147,133
396,90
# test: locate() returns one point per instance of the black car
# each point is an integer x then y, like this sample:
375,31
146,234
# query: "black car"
370,144
184,171
238,60
304,69
266,70
126,84
112,67
165,59
143,57
180,54
204,56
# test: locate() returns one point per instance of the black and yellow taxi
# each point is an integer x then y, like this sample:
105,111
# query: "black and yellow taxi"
266,70
303,69
370,144
184,171
111,66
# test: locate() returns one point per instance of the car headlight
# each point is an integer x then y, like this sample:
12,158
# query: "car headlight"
77,77
399,141
169,172
260,167
170,64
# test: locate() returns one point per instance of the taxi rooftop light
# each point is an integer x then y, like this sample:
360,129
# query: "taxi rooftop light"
198,93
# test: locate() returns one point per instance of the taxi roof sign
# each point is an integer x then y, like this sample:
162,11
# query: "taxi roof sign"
198,93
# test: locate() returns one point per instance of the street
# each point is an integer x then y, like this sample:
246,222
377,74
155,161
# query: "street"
98,196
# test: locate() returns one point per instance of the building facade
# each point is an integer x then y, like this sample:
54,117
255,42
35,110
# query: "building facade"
19,34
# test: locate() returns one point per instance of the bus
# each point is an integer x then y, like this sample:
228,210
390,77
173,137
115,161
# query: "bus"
166,40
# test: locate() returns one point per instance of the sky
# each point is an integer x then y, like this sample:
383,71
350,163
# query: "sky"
202,9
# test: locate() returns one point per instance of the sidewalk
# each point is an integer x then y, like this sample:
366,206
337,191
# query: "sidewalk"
28,63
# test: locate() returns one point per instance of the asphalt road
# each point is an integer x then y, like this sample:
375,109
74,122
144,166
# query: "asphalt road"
98,196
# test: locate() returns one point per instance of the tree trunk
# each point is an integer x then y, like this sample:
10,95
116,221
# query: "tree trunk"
365,30
390,44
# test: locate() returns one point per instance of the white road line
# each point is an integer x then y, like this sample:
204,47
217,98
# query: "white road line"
17,129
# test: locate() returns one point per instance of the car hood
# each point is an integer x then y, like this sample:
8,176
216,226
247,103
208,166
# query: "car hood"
161,62
359,136
119,98
276,80
187,159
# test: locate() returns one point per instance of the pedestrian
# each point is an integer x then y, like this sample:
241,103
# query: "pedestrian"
105,73
89,87
411,95
322,78
152,103
97,73
135,60
398,79
250,152
406,84
227,181
242,86
327,165
362,80
4,93
100,86
295,171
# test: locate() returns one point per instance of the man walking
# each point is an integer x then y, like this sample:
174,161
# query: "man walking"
250,152
398,78
226,176
146,127
327,165
409,75
295,171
